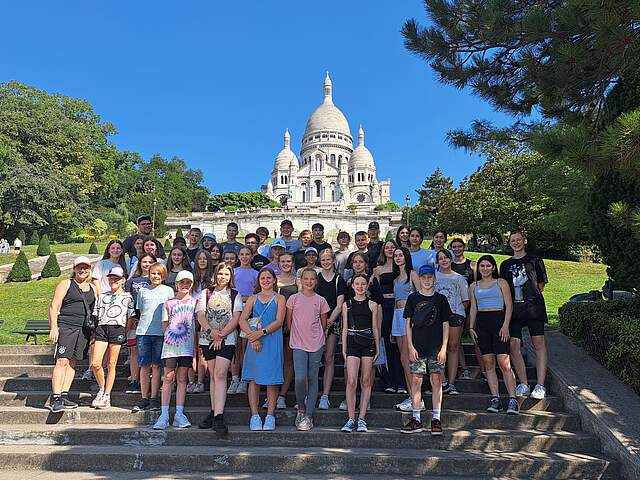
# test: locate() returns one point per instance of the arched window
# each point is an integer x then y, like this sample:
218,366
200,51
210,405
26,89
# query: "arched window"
318,185
303,187
332,186
333,158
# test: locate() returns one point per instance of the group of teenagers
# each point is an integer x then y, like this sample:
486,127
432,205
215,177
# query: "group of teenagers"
271,314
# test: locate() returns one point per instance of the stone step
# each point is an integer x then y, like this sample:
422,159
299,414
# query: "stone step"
376,417
303,460
42,382
465,401
381,438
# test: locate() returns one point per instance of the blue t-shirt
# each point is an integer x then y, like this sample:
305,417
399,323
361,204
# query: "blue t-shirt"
423,257
245,280
150,303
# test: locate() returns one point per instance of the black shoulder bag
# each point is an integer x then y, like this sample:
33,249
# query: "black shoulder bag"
90,320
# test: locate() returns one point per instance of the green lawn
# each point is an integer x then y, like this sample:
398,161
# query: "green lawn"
29,301
30,250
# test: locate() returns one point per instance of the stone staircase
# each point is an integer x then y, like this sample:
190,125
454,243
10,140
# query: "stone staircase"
542,442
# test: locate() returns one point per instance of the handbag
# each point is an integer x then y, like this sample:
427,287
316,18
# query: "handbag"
256,322
90,320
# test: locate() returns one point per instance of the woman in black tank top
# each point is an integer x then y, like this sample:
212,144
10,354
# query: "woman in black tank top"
72,301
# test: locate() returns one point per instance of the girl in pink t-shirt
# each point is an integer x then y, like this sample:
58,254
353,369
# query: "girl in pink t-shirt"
307,320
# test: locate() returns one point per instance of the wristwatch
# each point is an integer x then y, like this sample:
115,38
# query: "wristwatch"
264,332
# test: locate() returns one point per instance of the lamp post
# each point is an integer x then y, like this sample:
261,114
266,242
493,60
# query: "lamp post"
153,219
407,199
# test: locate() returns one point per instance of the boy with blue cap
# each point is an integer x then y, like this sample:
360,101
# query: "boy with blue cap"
427,313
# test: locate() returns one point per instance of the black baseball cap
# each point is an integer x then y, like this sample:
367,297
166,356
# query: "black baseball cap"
374,225
142,218
286,221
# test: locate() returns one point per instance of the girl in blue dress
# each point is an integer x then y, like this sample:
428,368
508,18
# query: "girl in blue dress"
261,322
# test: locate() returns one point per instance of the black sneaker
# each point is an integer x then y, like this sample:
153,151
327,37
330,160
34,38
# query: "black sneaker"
133,387
142,406
207,422
494,406
436,427
414,426
154,405
68,404
513,408
219,426
56,405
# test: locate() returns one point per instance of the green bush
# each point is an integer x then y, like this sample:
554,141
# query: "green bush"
20,271
179,233
43,246
22,235
167,245
610,332
51,268
35,238
93,248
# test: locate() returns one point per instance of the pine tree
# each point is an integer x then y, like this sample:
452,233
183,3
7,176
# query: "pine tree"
51,268
22,235
20,271
179,233
93,249
43,246
35,238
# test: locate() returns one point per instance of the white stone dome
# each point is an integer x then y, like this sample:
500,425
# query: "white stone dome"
286,157
327,116
361,156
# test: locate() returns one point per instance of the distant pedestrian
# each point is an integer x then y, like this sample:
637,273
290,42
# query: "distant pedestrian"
17,244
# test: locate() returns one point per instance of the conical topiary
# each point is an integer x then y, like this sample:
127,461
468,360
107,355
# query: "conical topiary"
93,249
20,271
22,235
43,246
35,238
167,245
51,268
179,233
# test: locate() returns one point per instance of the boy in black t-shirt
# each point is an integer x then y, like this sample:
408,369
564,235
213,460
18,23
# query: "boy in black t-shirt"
527,277
427,313
318,242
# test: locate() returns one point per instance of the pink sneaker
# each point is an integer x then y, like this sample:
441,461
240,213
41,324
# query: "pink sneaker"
105,402
97,400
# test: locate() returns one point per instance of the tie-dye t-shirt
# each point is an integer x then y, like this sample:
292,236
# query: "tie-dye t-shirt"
180,334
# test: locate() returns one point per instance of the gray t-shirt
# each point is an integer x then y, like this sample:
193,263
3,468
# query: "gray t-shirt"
150,302
454,287
218,313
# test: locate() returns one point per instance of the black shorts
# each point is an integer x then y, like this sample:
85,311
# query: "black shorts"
175,362
227,351
530,315
355,350
73,343
488,325
456,320
114,334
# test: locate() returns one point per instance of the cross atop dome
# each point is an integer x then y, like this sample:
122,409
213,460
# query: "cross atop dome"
328,89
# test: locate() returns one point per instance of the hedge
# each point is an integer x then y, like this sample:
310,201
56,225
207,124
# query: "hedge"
35,238
51,268
20,271
43,246
93,249
610,332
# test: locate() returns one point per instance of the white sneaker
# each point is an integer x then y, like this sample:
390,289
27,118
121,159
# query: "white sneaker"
233,388
180,420
343,405
242,387
162,423
87,375
522,390
199,388
404,403
281,404
305,424
324,403
466,374
539,392
407,406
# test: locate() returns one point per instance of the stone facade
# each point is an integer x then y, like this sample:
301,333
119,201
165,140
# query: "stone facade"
330,173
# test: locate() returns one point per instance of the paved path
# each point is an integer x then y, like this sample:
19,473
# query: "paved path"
65,260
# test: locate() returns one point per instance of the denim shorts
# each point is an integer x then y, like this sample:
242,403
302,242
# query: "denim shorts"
149,350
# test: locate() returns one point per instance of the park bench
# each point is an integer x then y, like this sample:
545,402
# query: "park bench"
33,328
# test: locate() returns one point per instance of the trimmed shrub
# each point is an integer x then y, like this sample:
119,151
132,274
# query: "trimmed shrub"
93,248
35,238
43,246
610,332
167,245
22,235
179,233
20,271
51,268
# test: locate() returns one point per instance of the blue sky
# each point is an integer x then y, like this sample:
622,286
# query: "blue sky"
216,83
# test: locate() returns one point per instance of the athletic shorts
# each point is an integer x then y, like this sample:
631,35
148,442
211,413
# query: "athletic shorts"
227,351
355,350
175,362
456,320
131,338
149,350
73,343
488,325
113,334
530,315
426,365
399,326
